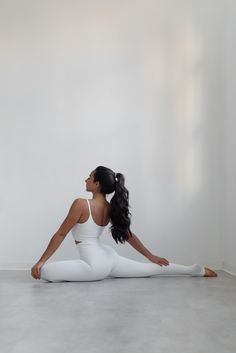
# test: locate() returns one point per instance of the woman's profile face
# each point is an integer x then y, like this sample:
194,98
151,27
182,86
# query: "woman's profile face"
90,181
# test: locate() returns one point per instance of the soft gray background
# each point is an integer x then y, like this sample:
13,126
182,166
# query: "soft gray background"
144,87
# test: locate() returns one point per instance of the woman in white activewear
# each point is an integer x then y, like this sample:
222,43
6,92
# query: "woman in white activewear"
87,219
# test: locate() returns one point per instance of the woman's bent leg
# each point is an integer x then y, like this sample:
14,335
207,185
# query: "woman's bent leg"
73,271
131,268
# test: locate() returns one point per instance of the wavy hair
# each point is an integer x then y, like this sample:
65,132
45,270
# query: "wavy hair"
119,211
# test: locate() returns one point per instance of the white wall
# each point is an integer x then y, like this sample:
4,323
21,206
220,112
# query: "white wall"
137,86
230,144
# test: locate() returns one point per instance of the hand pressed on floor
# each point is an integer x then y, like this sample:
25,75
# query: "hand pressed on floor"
35,270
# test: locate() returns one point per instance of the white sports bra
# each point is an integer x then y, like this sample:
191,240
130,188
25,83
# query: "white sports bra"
87,230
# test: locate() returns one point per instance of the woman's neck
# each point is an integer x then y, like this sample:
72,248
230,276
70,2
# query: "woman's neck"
99,196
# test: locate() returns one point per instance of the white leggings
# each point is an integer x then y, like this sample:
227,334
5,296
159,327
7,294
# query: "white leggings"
98,261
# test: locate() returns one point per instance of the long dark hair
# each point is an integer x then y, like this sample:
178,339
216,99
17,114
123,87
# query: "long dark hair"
119,212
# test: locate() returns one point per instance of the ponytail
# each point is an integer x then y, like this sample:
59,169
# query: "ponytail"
119,211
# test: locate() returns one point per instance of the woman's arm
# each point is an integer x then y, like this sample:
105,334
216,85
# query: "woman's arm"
56,240
138,245
53,245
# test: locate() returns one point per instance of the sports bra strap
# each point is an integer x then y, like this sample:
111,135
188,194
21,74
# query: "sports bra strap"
89,207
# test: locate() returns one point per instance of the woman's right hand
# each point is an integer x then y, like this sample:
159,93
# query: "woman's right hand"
159,260
35,270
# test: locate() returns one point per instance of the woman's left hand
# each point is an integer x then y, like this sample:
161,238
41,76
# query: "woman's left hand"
35,270
159,260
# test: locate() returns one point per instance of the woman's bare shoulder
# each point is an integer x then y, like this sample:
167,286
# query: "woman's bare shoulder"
79,201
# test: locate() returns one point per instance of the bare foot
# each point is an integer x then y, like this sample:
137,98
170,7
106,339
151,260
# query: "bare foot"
209,273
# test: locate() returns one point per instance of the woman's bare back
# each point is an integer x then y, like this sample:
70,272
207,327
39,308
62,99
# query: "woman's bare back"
99,211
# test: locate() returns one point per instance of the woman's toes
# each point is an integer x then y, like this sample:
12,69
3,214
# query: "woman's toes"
210,273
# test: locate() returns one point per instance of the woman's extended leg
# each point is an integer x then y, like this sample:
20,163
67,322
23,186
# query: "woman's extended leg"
131,268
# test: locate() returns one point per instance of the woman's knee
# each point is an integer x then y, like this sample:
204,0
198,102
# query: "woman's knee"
46,273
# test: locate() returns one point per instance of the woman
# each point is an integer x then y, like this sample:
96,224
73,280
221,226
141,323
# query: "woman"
87,219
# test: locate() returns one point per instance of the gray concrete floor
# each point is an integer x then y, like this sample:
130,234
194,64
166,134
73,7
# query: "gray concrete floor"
132,315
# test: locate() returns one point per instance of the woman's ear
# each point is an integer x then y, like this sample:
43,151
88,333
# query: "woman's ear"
98,185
